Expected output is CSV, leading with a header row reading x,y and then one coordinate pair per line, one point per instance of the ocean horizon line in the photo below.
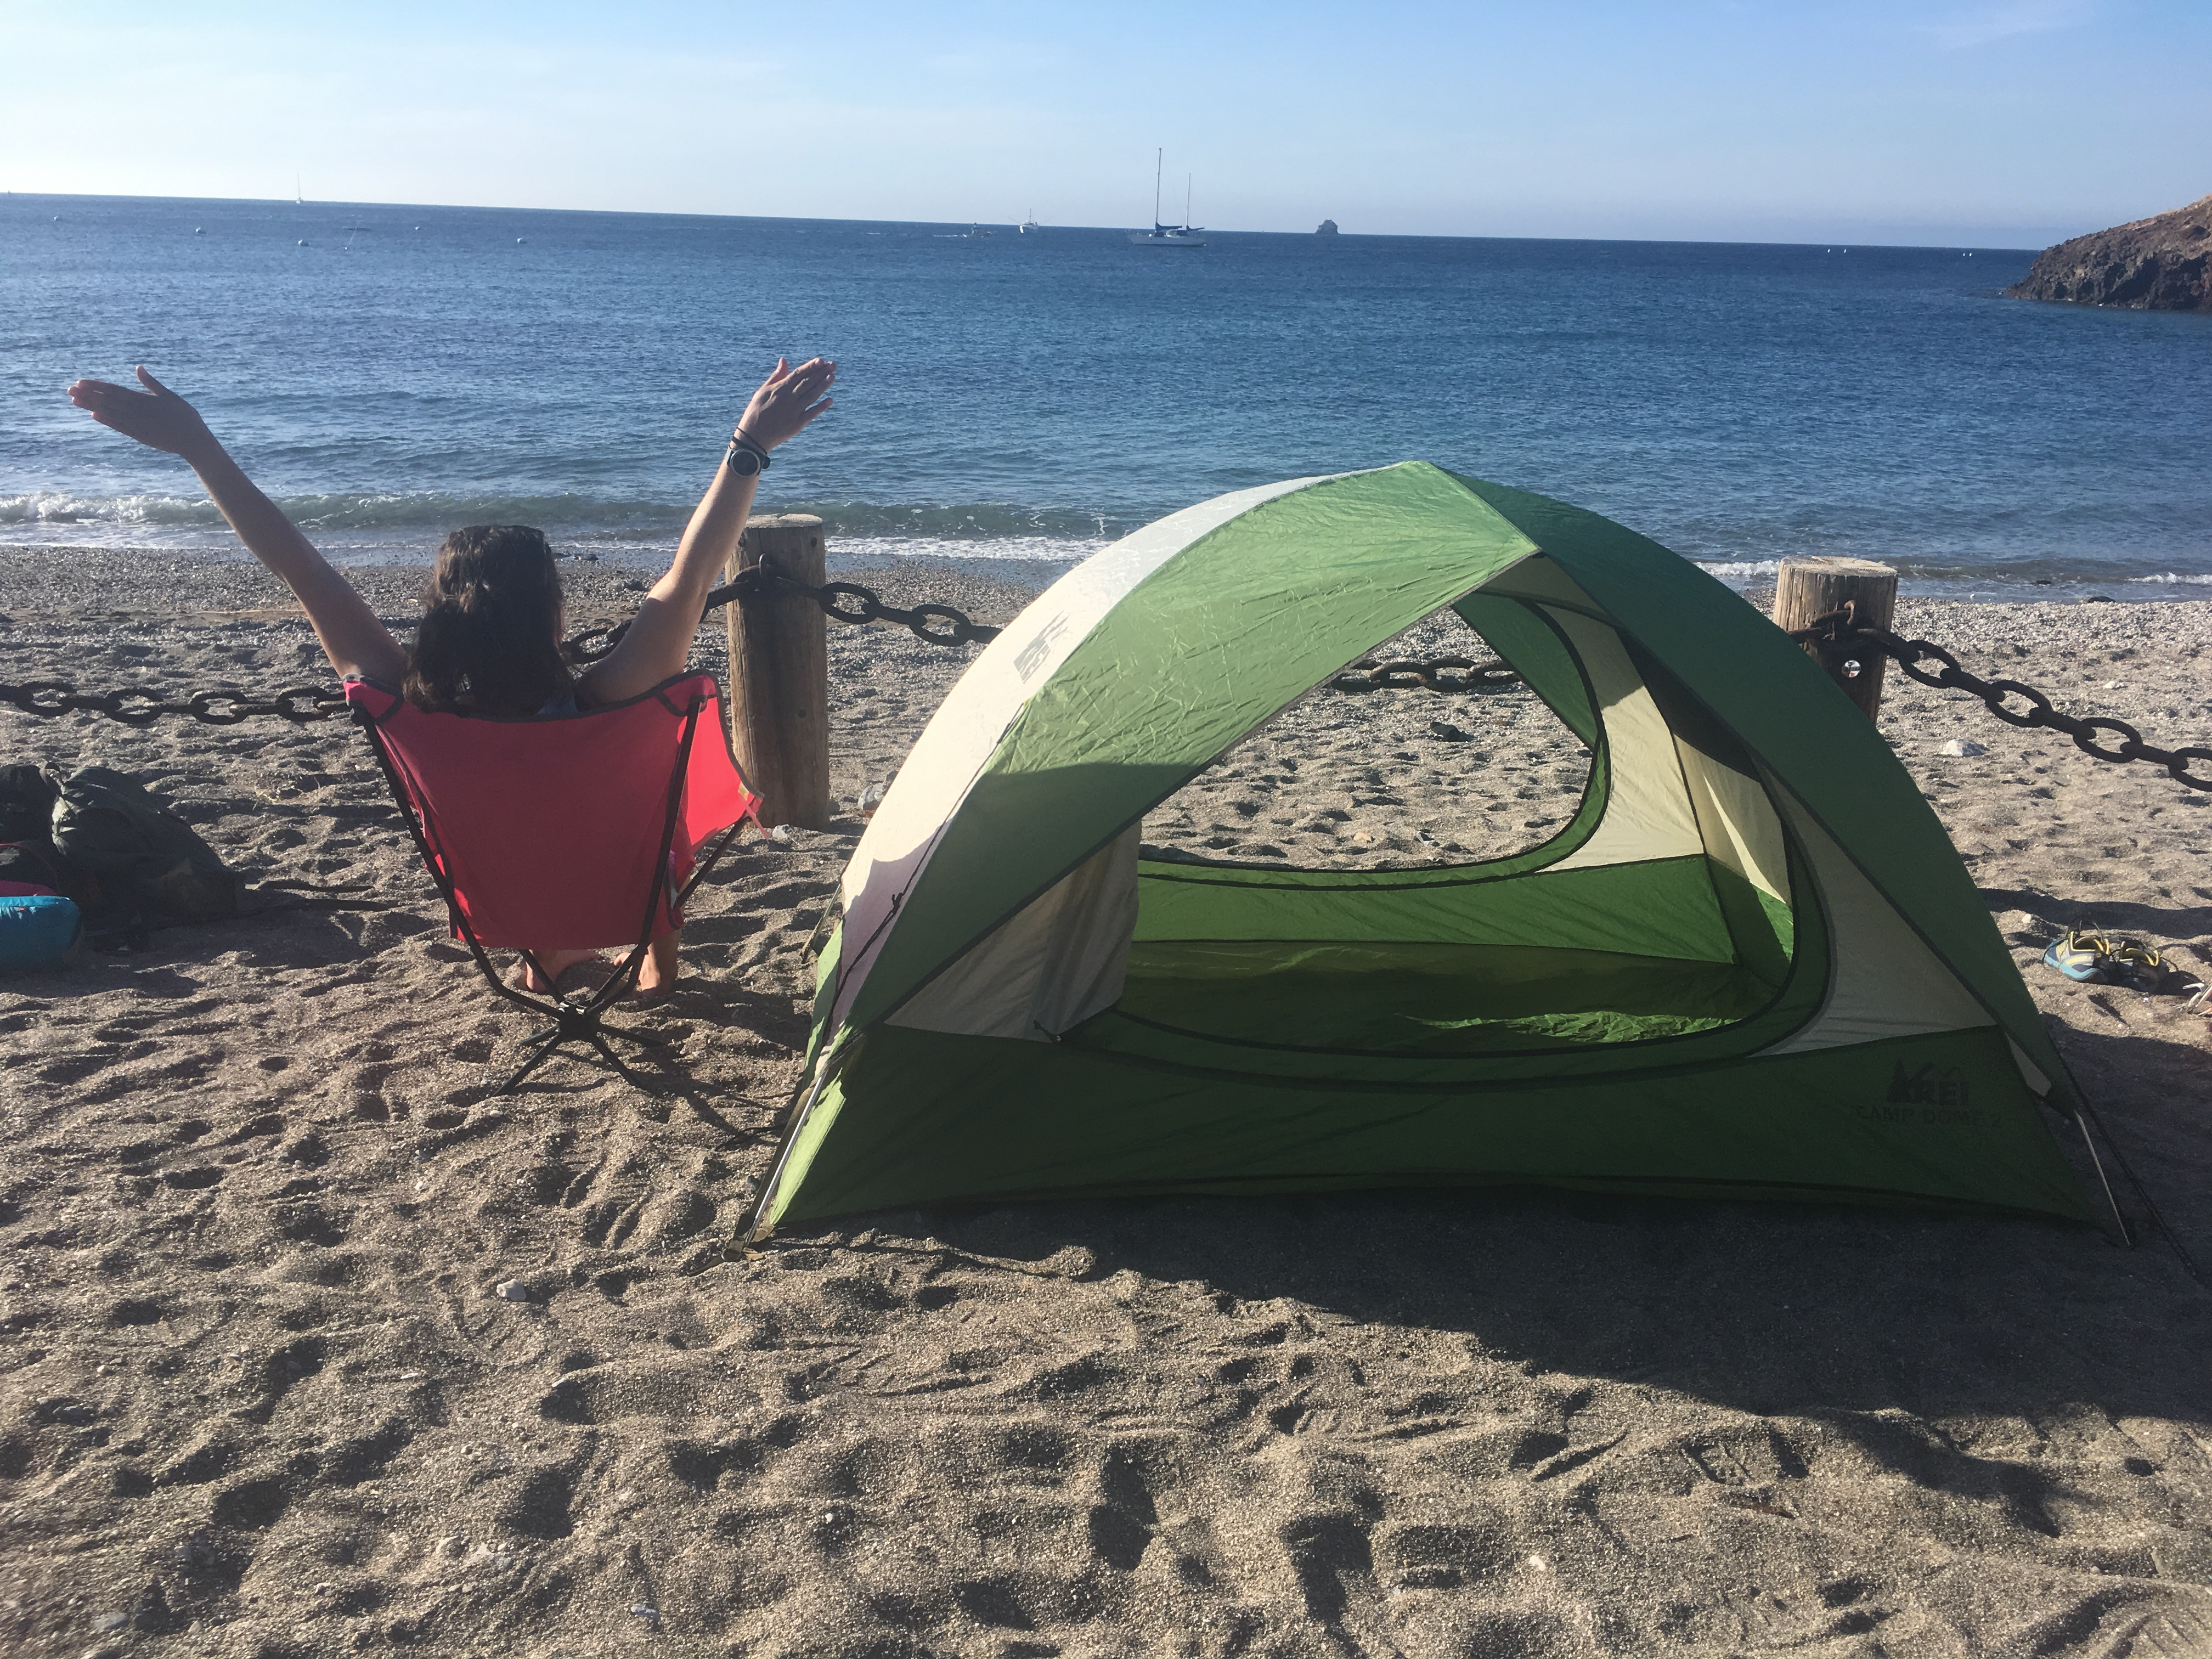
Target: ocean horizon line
x,y
836,222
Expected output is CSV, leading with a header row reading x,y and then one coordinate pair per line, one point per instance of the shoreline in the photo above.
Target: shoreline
x,y
258,1394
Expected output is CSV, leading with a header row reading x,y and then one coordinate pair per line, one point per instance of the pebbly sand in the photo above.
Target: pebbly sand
x,y
257,1399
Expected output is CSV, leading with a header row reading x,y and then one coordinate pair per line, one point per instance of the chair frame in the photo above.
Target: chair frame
x,y
581,1022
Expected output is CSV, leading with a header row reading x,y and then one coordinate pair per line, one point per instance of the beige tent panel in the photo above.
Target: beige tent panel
x,y
1883,981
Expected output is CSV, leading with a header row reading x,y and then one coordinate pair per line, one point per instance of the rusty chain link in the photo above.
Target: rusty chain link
x,y
1840,628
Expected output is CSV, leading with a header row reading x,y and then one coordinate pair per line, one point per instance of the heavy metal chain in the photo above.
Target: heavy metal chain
x,y
1438,674
844,602
141,705
848,602
942,624
1840,628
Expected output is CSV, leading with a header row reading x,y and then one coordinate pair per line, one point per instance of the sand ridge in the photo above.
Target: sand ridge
x,y
257,1396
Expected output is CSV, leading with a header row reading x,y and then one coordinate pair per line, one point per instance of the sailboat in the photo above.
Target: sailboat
x,y
1182,235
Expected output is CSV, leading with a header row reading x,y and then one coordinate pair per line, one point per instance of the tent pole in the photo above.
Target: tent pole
x,y
749,1230
2157,1216
2127,1233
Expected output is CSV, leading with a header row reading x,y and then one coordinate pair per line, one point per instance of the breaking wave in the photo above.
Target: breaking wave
x,y
404,527
409,521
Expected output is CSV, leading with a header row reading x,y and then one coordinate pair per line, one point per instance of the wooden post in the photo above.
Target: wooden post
x,y
1810,588
780,674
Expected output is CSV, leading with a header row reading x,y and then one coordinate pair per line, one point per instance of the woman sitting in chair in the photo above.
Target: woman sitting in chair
x,y
490,640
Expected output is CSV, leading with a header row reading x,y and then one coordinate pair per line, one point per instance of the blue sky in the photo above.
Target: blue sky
x,y
2003,122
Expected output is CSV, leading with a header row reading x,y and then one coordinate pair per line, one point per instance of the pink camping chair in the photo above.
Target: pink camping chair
x,y
564,831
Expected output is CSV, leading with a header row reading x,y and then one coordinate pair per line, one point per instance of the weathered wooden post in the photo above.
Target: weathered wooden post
x,y
1808,589
780,674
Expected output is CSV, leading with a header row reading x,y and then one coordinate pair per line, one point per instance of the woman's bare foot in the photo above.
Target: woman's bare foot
x,y
656,975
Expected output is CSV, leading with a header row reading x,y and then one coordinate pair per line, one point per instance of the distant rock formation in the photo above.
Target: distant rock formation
x,y
2163,263
1327,227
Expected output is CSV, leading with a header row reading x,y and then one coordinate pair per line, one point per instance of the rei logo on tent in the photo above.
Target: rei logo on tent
x,y
1034,653
1931,1085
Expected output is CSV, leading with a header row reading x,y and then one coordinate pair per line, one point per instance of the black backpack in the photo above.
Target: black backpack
x,y
146,862
26,847
27,803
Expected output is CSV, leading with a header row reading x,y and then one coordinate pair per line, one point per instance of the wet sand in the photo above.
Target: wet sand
x,y
256,1397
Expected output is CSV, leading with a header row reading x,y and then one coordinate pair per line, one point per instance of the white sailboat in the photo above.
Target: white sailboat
x,y
1185,234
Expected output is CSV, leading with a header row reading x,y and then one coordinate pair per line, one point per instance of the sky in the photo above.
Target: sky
x,y
1988,122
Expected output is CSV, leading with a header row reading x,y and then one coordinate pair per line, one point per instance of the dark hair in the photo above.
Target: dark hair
x,y
490,640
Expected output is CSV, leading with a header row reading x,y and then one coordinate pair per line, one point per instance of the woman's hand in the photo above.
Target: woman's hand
x,y
659,640
156,417
786,401
353,638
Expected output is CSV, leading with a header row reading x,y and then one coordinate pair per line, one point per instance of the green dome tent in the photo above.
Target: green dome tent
x,y
1751,965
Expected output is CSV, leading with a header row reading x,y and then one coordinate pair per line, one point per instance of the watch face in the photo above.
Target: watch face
x,y
743,462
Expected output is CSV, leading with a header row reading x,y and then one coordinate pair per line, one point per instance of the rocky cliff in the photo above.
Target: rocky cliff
x,y
2162,263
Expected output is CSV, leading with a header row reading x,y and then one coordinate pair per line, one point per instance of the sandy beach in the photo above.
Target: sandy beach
x,y
258,1398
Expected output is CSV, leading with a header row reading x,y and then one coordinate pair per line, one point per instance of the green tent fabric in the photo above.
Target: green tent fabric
x,y
1750,964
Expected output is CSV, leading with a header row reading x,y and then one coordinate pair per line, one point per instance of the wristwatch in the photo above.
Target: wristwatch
x,y
746,459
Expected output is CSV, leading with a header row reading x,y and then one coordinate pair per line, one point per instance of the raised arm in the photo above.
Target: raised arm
x,y
352,638
658,642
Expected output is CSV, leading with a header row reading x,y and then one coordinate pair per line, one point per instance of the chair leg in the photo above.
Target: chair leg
x,y
547,1044
540,1051
640,1085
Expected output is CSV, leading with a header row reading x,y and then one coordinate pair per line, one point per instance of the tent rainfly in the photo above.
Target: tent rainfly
x,y
1751,965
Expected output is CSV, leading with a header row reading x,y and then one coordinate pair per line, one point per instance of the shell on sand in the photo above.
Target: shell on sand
x,y
254,1207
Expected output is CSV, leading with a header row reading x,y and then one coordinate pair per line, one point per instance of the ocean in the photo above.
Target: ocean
x,y
387,372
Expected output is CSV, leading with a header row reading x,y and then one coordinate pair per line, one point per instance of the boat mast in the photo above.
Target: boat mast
x,y
1159,160
1186,201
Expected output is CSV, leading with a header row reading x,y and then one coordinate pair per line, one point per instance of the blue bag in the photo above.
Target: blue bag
x,y
35,929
